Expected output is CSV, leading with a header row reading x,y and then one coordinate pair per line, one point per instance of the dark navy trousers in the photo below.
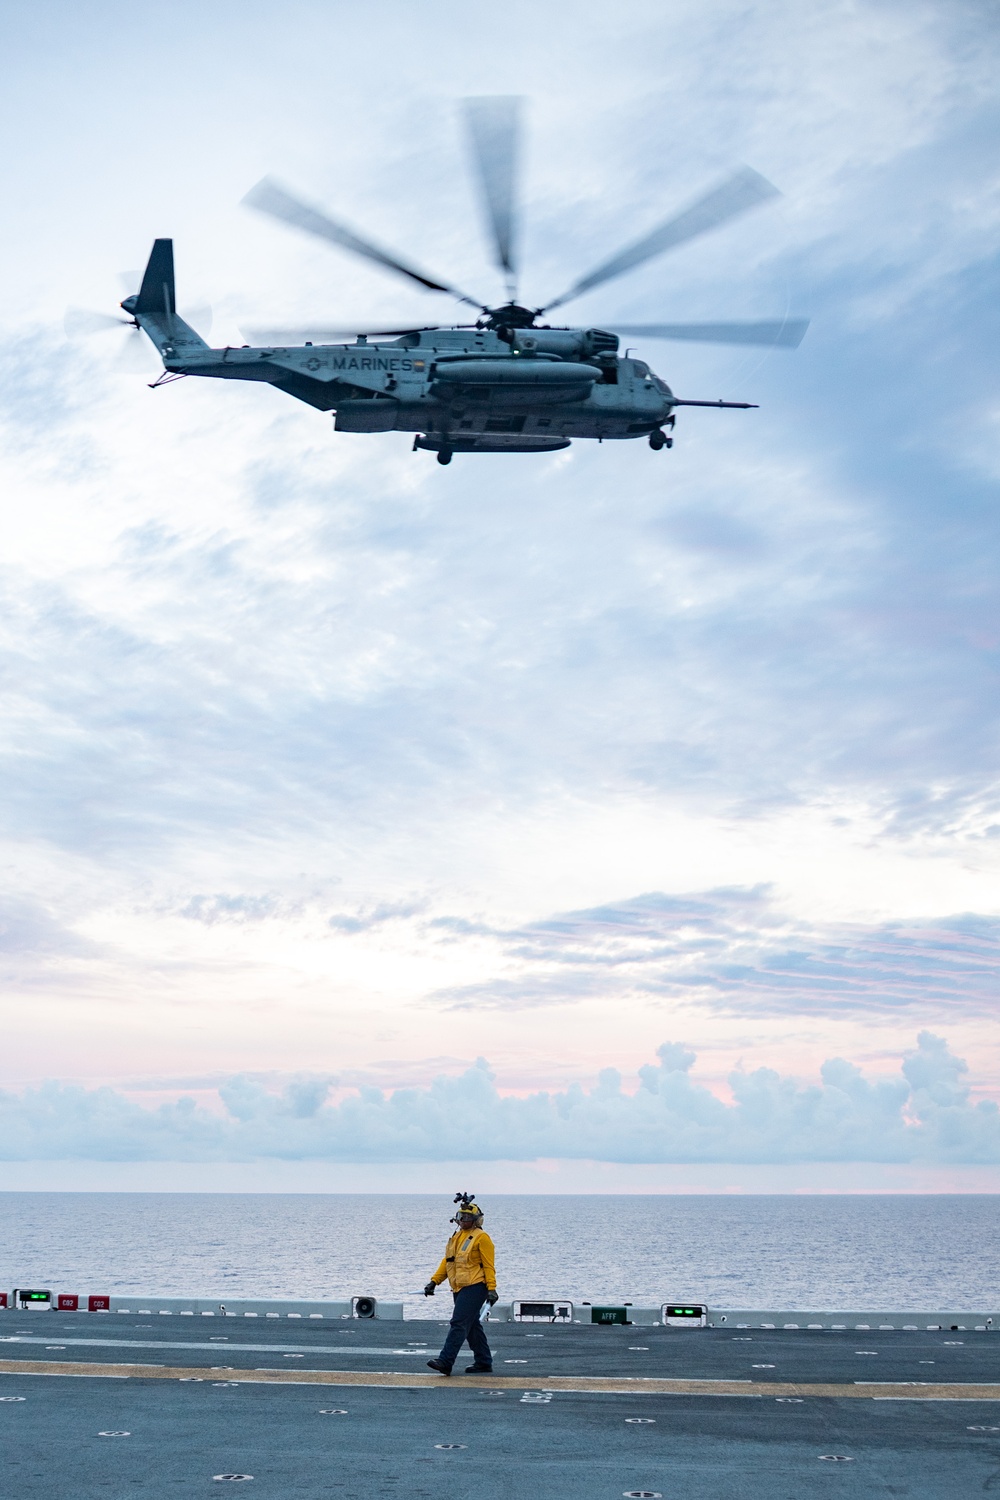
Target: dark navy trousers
x,y
465,1324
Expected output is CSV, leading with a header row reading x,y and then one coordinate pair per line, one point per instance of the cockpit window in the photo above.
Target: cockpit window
x,y
639,368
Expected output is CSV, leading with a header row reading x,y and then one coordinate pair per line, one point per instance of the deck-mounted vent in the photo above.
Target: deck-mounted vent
x,y
560,1311
364,1307
684,1315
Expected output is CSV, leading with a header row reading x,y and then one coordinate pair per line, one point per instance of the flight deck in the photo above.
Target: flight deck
x,y
124,1403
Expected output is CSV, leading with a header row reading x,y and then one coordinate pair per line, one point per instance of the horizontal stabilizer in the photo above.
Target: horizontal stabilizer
x,y
156,294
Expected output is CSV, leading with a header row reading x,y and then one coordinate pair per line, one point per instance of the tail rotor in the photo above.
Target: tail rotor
x,y
132,354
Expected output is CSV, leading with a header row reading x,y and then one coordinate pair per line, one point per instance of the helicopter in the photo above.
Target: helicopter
x,y
505,383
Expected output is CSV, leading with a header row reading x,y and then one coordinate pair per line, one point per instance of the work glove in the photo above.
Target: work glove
x,y
493,1298
429,1289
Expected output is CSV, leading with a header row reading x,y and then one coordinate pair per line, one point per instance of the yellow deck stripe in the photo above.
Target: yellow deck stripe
x,y
582,1384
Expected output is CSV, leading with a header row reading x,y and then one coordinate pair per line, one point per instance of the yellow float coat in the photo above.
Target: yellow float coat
x,y
468,1259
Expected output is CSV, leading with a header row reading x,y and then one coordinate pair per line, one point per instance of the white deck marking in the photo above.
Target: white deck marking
x,y
193,1344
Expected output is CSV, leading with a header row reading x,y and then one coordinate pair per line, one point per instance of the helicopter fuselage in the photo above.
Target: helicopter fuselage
x,y
459,390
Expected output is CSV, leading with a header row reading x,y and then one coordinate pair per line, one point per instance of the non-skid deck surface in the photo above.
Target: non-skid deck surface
x,y
584,1412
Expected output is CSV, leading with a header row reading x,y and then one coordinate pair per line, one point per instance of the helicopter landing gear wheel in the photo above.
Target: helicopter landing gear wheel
x,y
658,440
444,456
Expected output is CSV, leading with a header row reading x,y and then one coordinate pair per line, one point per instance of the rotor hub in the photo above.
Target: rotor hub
x,y
510,315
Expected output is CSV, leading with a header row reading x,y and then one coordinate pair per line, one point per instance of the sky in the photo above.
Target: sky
x,y
604,820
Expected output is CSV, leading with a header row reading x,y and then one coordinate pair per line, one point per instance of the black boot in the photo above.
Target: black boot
x,y
478,1369
436,1364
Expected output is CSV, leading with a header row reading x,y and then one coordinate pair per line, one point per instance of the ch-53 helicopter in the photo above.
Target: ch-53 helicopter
x,y
503,384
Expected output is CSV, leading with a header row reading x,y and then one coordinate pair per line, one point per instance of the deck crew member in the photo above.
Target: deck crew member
x,y
468,1265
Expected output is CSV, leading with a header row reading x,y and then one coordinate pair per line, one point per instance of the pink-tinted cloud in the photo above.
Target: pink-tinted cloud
x,y
924,1115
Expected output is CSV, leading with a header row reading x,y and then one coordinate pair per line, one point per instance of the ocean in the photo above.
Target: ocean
x,y
737,1251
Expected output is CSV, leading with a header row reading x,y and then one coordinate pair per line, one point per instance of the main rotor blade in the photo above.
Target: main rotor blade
x,y
494,125
269,197
293,337
745,190
780,333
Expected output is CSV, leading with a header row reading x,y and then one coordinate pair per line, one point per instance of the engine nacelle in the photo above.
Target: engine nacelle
x,y
567,343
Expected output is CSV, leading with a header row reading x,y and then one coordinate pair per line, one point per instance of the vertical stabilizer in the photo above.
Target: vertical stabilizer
x,y
156,294
154,308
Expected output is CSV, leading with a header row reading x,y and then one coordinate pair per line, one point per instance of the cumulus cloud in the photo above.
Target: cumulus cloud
x,y
924,1115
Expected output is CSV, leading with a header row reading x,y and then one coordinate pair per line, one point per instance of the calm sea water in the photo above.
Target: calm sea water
x,y
905,1252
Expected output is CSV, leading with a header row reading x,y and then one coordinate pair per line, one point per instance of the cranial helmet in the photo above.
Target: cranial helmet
x,y
467,1205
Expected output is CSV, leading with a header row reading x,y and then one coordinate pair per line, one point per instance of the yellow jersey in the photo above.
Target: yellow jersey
x,y
468,1259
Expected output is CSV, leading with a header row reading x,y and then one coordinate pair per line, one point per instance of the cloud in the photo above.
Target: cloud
x,y
280,629
243,658
732,952
28,929
737,950
368,919
924,1115
40,953
240,908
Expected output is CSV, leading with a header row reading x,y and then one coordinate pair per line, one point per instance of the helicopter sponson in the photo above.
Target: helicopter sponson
x,y
506,383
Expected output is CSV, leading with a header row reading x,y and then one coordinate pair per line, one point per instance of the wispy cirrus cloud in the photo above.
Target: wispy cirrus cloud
x,y
738,950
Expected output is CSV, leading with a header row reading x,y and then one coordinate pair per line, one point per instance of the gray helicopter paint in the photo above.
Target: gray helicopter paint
x,y
411,380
